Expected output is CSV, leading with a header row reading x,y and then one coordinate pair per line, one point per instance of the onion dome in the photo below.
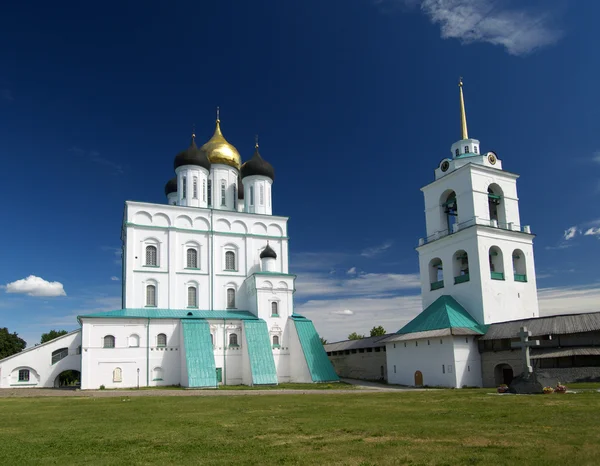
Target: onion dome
x,y
240,187
258,166
218,150
171,186
192,156
268,252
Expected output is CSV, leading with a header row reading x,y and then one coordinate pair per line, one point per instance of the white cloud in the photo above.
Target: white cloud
x,y
518,30
570,233
569,300
592,232
344,312
596,157
351,271
114,279
373,251
36,286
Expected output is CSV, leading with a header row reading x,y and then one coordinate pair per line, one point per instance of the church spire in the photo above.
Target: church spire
x,y
463,114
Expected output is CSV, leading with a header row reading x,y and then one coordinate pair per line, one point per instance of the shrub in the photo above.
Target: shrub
x,y
102,387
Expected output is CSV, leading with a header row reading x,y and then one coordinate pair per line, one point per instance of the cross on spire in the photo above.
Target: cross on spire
x,y
525,344
218,114
256,143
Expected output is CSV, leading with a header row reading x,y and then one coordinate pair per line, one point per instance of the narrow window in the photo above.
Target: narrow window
x,y
183,187
109,341
117,375
394,345
466,149
230,260
192,258
204,190
212,339
251,195
416,343
262,195
457,152
195,187
151,255
192,297
23,375
161,340
233,341
468,368
394,368
235,198
274,310
230,298
443,369
475,149
223,197
275,340
209,193
405,344
428,343
151,296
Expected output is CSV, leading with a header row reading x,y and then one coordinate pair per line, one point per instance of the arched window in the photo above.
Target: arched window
x,y
496,263
466,149
157,374
134,341
161,339
275,341
204,190
496,206
192,296
183,187
195,188
109,341
230,260
450,207
475,149
251,195
457,152
209,193
223,196
212,339
59,354
233,340
262,194
519,266
151,255
117,375
230,298
274,309
151,296
192,258
436,274
461,267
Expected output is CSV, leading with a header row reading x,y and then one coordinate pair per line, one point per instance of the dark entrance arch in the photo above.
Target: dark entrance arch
x,y
503,373
68,379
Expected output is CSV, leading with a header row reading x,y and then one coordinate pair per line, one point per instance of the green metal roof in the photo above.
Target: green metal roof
x,y
444,312
318,363
154,313
199,354
260,352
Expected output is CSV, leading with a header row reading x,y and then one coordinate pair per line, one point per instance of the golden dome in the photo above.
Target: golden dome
x,y
218,150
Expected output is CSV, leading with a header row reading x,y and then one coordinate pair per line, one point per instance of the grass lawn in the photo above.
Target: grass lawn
x,y
437,427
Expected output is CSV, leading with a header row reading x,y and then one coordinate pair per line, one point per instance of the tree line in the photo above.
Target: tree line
x,y
375,332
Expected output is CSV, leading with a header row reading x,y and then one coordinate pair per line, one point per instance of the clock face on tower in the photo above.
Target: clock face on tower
x,y
492,159
445,165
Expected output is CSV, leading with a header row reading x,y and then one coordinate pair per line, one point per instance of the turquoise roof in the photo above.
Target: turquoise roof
x,y
318,363
444,312
260,352
199,354
154,313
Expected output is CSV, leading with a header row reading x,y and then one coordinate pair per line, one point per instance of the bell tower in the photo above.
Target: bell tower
x,y
476,249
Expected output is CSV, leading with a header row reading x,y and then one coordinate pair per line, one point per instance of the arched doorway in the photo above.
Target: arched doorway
x,y
68,379
418,379
503,373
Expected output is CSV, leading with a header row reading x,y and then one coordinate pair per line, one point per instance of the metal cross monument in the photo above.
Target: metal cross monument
x,y
525,344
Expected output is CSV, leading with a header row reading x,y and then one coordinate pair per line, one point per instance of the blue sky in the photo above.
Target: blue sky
x,y
355,102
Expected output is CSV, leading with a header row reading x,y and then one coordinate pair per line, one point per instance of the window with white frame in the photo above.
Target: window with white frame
x,y
192,296
151,295
161,340
276,341
183,187
117,375
230,298
134,341
274,308
108,341
151,256
262,194
233,339
209,193
251,195
195,188
230,260
223,194
192,258
23,375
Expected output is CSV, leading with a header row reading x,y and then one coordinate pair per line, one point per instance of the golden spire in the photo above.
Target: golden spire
x,y
463,114
218,150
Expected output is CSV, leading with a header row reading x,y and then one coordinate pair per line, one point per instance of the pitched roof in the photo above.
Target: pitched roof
x,y
367,342
444,313
153,313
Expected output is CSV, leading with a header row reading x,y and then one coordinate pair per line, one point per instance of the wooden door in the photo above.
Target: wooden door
x,y
418,379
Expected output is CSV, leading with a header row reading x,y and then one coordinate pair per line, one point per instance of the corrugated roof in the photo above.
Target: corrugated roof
x,y
260,352
154,313
543,353
551,325
199,354
318,363
368,342
444,312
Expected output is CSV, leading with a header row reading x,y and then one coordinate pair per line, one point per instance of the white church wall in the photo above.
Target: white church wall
x,y
481,180
299,372
467,362
38,360
435,361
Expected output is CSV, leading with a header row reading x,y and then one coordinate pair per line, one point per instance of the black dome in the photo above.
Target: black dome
x,y
171,186
257,166
240,188
268,252
192,156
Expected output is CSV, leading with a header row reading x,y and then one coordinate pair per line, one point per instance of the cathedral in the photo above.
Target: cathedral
x,y
207,296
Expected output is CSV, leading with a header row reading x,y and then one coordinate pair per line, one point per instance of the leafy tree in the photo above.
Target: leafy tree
x,y
355,336
10,343
323,341
52,334
377,331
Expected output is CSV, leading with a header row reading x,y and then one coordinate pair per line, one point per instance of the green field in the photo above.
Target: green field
x,y
436,427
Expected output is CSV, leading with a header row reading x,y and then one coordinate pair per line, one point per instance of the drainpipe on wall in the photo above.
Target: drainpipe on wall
x,y
224,353
211,274
148,353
